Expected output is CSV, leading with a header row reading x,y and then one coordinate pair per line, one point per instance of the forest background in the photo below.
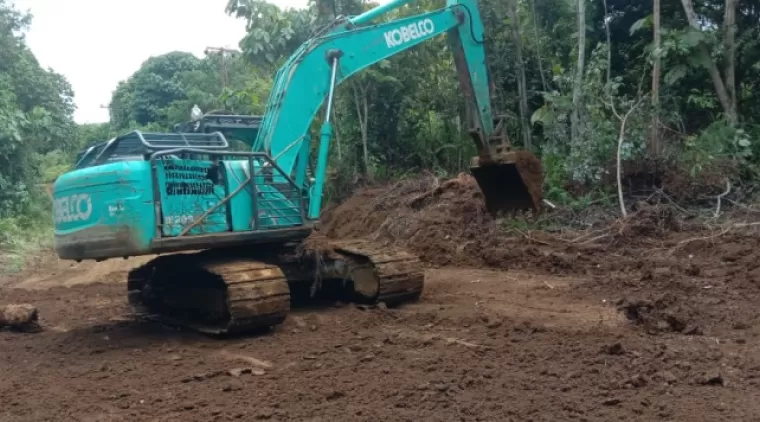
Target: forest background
x,y
665,86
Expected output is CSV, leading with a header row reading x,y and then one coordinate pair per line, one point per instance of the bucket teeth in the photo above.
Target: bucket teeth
x,y
512,182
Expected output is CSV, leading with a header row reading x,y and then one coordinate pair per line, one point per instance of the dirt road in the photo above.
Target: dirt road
x,y
481,345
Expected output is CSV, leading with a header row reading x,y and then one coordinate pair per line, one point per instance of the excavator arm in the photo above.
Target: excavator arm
x,y
312,73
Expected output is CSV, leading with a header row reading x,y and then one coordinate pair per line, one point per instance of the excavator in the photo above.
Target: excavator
x,y
231,229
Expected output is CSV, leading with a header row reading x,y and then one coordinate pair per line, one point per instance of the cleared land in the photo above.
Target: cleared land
x,y
647,319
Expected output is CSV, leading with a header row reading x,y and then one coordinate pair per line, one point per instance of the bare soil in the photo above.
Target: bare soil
x,y
652,318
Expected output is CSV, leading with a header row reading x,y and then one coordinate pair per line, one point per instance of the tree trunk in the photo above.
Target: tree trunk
x,y
609,46
360,101
655,146
729,44
575,117
521,78
712,68
364,132
538,46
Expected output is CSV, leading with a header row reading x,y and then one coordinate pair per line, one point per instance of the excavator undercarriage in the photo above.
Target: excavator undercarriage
x,y
234,291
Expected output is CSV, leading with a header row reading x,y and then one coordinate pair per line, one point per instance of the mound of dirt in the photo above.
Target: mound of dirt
x,y
444,222
666,264
683,183
702,186
664,314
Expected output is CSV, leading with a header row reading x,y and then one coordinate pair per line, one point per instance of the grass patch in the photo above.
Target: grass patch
x,y
20,240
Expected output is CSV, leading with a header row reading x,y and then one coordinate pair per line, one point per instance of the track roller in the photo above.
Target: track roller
x,y
380,274
213,295
228,292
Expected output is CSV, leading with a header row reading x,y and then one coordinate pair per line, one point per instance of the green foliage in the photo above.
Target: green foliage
x,y
273,33
159,82
25,234
36,108
165,89
406,113
720,141
37,136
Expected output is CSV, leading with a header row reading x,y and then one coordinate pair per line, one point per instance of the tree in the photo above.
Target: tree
x,y
36,114
725,90
563,63
579,72
273,33
522,89
144,96
654,143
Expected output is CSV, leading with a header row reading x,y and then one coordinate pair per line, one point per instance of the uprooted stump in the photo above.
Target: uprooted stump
x,y
20,317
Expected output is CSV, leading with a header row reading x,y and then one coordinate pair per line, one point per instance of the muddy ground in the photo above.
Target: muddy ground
x,y
652,318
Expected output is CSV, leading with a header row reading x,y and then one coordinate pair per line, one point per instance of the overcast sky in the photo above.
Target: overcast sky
x,y
97,43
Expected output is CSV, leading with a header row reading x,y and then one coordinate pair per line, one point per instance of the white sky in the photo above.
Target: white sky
x,y
97,43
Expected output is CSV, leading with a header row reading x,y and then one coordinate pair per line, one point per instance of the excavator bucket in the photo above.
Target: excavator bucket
x,y
511,181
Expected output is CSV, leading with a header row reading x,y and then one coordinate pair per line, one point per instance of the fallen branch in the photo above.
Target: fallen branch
x,y
414,334
531,239
454,340
740,205
695,239
714,236
583,238
672,202
719,197
244,358
740,225
552,206
600,237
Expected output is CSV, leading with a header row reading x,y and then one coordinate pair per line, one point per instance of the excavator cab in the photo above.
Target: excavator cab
x,y
234,127
511,181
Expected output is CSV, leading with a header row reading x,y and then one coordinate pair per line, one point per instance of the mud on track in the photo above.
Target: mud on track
x,y
645,323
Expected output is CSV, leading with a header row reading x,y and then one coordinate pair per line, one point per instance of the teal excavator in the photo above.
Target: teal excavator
x,y
232,228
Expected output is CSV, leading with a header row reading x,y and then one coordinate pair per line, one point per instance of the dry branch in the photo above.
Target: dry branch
x,y
621,139
719,197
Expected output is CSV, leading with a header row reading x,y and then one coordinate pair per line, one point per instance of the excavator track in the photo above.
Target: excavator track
x,y
212,295
221,292
381,274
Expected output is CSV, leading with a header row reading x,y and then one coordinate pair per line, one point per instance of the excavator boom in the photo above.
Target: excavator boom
x,y
313,72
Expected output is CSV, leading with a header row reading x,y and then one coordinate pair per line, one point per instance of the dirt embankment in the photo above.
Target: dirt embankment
x,y
445,222
668,271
